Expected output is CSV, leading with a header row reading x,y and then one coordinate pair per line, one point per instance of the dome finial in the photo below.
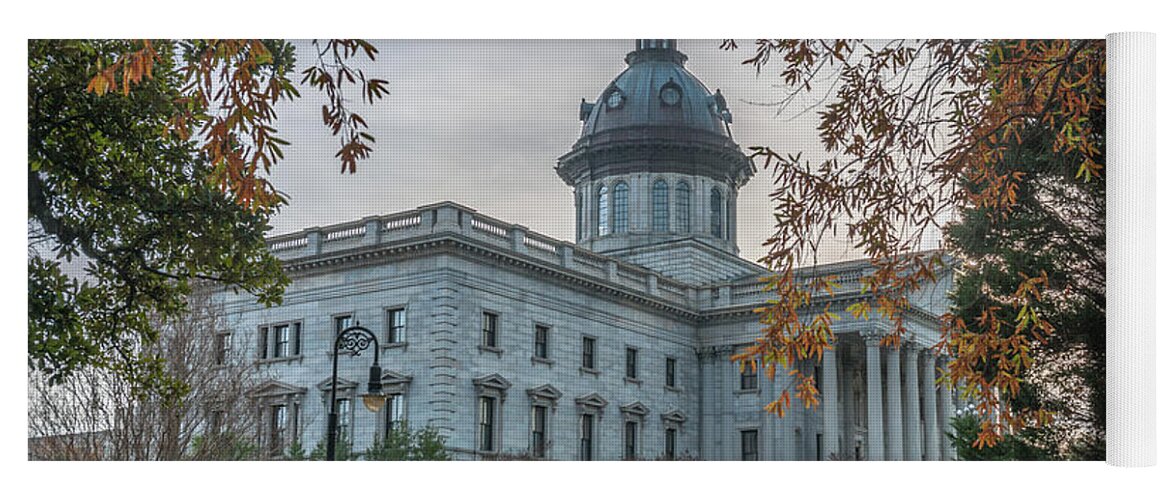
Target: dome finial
x,y
655,50
654,44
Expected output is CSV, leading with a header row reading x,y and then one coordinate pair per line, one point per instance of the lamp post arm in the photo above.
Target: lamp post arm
x,y
356,338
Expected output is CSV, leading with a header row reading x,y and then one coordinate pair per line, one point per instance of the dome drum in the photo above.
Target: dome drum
x,y
656,156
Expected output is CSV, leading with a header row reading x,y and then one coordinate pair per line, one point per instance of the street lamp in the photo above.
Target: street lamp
x,y
354,339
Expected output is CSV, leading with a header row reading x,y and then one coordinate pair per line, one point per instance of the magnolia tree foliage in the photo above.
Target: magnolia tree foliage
x,y
917,131
148,162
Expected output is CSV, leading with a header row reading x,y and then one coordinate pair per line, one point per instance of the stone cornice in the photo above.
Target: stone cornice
x,y
455,242
449,228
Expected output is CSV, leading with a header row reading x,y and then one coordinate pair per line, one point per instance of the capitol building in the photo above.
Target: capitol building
x,y
614,346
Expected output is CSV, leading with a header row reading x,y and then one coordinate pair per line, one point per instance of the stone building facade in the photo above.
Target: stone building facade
x,y
611,347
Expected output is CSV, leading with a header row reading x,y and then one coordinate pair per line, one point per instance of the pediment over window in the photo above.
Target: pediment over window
x,y
635,409
391,377
544,393
591,401
674,417
342,385
275,388
493,382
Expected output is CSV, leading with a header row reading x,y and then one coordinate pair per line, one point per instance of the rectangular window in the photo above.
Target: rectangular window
x,y
222,346
539,429
343,419
278,424
541,342
397,329
669,444
216,422
488,339
395,414
276,341
670,372
748,449
341,323
587,353
631,363
586,448
630,441
280,348
487,424
748,377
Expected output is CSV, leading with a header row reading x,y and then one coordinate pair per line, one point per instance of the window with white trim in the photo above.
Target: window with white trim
x,y
717,213
587,352
748,379
748,445
279,341
488,332
487,424
541,342
683,207
621,203
602,211
396,325
539,432
223,346
342,322
630,440
660,218
586,437
344,416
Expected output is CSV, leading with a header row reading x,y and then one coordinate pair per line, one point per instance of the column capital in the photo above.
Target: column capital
x,y
872,337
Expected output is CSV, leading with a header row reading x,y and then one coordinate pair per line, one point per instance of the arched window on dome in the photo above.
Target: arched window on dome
x,y
580,227
683,207
660,219
602,211
621,201
731,207
717,205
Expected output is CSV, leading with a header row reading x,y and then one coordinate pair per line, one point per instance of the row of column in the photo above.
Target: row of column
x,y
894,430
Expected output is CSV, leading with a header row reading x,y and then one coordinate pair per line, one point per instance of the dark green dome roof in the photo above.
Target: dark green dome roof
x,y
656,91
655,117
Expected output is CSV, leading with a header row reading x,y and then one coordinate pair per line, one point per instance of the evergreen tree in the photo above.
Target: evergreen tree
x,y
1057,227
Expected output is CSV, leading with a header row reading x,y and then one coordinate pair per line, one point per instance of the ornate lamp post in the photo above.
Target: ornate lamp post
x,y
354,339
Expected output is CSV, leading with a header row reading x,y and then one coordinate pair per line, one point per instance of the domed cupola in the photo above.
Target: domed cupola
x,y
655,161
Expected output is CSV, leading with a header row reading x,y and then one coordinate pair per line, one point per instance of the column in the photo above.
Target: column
x,y
914,433
833,422
930,407
949,411
874,446
894,406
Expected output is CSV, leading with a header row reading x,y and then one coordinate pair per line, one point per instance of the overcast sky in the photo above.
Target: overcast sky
x,y
483,122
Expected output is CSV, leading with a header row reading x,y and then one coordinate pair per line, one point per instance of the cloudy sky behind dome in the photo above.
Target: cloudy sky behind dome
x,y
482,123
